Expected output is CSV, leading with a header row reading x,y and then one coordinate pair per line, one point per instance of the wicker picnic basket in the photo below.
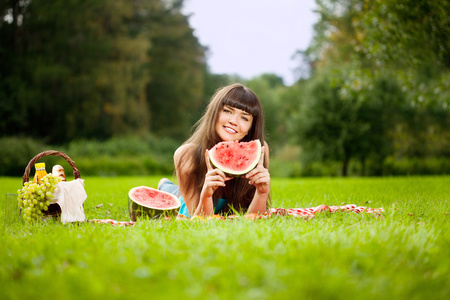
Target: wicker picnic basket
x,y
54,209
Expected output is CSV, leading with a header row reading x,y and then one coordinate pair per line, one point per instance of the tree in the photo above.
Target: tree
x,y
412,38
326,128
405,32
340,123
389,60
74,69
175,89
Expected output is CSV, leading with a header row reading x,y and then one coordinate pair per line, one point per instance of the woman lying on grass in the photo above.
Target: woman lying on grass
x,y
234,113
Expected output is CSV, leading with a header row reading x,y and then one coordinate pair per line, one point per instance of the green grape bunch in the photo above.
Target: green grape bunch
x,y
34,198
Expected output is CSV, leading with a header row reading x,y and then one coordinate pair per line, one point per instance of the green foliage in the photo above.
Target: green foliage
x,y
286,162
77,71
15,153
124,156
416,166
124,165
374,91
268,87
113,157
129,145
405,33
81,69
404,254
345,117
174,93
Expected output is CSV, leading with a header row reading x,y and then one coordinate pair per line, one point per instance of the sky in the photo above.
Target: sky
x,y
252,37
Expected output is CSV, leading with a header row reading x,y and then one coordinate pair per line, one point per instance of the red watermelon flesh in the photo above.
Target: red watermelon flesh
x,y
151,202
234,157
153,198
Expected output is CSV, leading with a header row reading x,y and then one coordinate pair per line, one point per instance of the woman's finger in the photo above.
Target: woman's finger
x,y
260,180
216,174
258,169
256,179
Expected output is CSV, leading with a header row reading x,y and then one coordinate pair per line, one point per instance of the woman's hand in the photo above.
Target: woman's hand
x,y
260,176
213,178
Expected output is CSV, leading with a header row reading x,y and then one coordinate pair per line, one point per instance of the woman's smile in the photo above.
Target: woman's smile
x,y
229,130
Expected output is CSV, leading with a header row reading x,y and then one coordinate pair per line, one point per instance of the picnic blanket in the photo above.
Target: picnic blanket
x,y
307,213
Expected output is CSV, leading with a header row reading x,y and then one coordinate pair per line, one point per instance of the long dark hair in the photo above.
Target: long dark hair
x,y
238,192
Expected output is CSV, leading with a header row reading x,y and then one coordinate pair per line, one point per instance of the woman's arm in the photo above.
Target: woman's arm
x,y
260,178
198,202
212,181
183,161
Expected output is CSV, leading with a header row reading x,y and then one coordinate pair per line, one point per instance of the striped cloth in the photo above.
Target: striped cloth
x,y
306,213
300,212
112,222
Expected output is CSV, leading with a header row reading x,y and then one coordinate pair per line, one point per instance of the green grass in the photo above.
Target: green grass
x,y
403,255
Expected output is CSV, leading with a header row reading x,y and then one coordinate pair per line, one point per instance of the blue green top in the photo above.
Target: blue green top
x,y
221,203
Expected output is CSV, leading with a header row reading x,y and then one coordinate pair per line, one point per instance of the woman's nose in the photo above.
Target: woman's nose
x,y
232,120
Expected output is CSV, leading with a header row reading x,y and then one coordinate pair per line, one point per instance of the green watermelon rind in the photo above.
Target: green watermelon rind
x,y
230,172
139,210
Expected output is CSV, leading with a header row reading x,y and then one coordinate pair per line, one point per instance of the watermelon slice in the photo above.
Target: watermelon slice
x,y
143,200
236,158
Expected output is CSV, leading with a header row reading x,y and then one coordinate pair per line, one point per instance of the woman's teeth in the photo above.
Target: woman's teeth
x,y
230,130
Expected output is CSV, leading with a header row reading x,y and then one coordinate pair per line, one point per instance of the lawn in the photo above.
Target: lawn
x,y
402,254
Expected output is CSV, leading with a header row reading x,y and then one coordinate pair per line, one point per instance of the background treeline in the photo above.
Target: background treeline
x,y
117,85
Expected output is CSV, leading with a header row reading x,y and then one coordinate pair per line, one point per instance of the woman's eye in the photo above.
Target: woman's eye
x,y
245,119
227,110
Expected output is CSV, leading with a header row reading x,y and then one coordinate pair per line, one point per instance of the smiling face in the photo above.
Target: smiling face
x,y
233,123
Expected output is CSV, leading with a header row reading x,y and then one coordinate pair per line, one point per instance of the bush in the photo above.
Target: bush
x,y
285,161
151,156
124,156
125,146
114,157
316,169
123,165
15,153
417,166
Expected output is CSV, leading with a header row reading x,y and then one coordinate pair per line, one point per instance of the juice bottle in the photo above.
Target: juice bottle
x,y
40,172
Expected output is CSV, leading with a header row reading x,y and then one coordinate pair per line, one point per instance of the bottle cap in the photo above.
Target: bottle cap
x,y
39,165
